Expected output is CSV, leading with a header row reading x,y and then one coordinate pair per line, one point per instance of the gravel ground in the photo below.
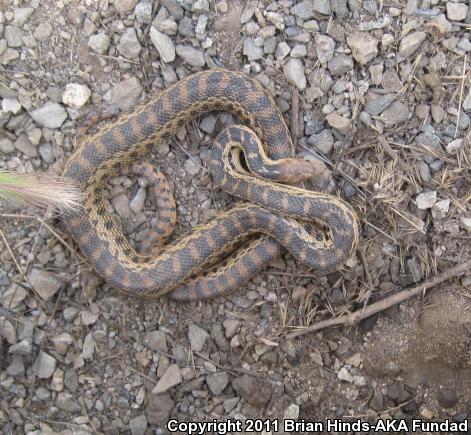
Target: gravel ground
x,y
379,91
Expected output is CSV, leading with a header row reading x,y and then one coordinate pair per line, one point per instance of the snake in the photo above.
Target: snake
x,y
253,161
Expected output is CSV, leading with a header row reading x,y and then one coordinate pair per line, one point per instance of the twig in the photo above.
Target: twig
x,y
358,315
461,96
369,281
117,59
232,370
23,274
295,116
54,233
372,414
143,375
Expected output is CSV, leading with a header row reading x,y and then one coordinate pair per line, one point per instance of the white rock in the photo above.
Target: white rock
x,y
456,11
426,200
440,209
291,412
76,95
466,221
344,375
454,146
11,105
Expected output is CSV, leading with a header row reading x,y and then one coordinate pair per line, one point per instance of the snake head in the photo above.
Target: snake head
x,y
293,171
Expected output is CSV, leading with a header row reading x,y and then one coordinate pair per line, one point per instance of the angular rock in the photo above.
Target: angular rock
x,y
304,10
254,391
6,146
325,46
447,397
364,47
143,11
163,44
396,113
45,283
44,365
23,347
43,31
99,42
171,377
322,6
340,65
190,55
50,115
67,402
13,296
339,122
125,94
138,425
129,45
376,106
197,337
159,409
156,340
124,6
22,15
13,36
410,43
456,11
251,50
426,200
248,11
217,382
24,145
294,72
11,105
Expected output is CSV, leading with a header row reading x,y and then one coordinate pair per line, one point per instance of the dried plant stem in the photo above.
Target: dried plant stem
x,y
40,190
461,95
357,316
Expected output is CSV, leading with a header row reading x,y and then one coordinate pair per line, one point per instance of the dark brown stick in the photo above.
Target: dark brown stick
x,y
361,314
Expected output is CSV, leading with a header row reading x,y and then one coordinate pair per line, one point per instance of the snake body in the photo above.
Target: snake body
x,y
276,216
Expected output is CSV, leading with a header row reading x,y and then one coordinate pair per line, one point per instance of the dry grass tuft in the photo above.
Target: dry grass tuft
x,y
40,190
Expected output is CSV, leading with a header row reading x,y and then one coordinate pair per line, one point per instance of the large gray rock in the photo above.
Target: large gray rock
x,y
50,115
45,283
163,44
294,72
125,94
190,55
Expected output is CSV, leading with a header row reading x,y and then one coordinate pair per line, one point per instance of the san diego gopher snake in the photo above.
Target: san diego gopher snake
x,y
276,216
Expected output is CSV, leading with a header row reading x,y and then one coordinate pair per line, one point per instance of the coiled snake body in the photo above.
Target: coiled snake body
x,y
245,161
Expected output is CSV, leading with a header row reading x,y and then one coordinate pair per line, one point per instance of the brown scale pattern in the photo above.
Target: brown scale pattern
x,y
284,214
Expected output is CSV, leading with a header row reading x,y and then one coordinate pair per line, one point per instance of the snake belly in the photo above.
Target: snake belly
x,y
180,266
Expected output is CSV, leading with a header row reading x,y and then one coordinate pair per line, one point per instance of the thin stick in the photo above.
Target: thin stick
x,y
369,281
54,233
358,315
232,370
23,274
461,96
295,116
